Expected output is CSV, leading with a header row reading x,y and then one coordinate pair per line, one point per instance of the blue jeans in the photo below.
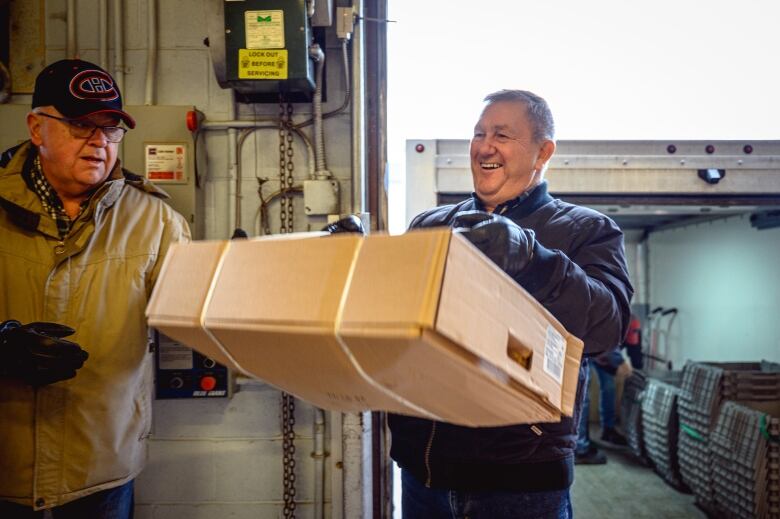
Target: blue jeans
x,y
114,503
606,405
419,502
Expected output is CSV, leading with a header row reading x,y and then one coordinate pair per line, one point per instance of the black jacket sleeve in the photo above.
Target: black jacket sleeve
x,y
585,287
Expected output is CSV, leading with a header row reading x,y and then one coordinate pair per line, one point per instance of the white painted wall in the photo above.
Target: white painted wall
x,y
221,457
724,278
632,243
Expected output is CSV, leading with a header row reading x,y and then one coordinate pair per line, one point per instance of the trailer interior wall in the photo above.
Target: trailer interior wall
x,y
724,278
632,242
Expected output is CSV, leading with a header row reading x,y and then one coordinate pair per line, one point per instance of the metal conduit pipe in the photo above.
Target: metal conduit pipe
x,y
151,51
296,131
234,138
352,433
319,463
103,33
224,125
336,466
233,205
239,178
358,117
71,51
320,170
244,134
119,51
347,85
309,149
232,149
235,147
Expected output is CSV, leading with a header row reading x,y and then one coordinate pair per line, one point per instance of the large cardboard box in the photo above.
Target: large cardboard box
x,y
420,324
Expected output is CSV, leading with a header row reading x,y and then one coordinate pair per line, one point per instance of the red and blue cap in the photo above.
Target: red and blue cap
x,y
77,89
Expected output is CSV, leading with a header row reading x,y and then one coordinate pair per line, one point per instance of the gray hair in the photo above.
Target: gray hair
x,y
536,107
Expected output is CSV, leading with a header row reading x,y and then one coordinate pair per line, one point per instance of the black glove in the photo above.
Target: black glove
x,y
37,353
239,233
349,223
509,246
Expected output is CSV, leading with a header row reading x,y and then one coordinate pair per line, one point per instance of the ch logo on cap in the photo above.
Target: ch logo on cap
x,y
94,85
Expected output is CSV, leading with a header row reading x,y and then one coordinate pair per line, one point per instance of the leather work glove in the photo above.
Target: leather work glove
x,y
37,354
349,223
509,246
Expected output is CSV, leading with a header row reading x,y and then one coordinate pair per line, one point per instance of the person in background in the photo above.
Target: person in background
x,y
571,260
81,244
607,366
633,343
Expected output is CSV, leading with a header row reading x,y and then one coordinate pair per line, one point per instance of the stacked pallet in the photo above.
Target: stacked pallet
x,y
745,446
631,413
705,387
660,429
631,406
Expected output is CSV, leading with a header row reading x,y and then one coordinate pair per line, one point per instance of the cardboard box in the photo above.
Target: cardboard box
x,y
420,324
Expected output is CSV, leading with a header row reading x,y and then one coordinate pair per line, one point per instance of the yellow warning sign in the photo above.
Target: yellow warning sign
x,y
262,64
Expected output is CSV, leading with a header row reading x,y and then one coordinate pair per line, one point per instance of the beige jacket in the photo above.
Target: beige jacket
x,y
72,438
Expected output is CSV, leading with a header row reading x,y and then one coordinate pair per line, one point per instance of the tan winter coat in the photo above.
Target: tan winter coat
x,y
72,438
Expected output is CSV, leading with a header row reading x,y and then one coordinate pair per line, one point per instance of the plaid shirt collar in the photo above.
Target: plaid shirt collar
x,y
52,204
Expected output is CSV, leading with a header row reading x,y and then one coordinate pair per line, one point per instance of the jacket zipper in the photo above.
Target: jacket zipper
x,y
428,454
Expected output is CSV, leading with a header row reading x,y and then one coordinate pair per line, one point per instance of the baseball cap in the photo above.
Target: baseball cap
x,y
79,88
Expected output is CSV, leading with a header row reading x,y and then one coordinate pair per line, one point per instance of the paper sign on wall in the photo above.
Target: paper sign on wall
x,y
264,29
165,162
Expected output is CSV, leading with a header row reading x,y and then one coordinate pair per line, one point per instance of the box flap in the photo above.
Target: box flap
x,y
181,290
396,282
314,367
190,266
277,283
447,380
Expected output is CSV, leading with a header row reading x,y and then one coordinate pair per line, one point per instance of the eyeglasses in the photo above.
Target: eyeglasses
x,y
81,129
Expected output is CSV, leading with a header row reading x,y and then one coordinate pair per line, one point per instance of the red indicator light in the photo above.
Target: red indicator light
x,y
208,383
192,121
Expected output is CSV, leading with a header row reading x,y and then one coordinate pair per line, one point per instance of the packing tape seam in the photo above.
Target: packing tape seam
x,y
207,302
348,352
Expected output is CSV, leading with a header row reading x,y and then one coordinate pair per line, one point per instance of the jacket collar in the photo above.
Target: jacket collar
x,y
522,205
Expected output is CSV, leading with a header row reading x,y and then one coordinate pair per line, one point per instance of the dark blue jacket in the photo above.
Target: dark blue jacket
x,y
579,274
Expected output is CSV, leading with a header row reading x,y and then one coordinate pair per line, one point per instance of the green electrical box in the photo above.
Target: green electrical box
x,y
263,50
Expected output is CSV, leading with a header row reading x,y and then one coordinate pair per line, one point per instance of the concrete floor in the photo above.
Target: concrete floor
x,y
623,488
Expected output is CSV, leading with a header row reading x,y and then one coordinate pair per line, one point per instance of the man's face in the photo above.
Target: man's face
x,y
74,166
505,159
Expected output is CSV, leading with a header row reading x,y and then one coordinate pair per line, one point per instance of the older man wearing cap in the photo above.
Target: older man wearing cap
x,y
81,244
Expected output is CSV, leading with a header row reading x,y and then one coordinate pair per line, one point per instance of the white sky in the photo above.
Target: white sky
x,y
610,69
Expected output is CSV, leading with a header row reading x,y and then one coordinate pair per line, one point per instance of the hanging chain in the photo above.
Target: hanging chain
x,y
288,453
286,169
286,166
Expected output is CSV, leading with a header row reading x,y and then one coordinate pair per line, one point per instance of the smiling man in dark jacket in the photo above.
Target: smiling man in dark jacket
x,y
571,260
